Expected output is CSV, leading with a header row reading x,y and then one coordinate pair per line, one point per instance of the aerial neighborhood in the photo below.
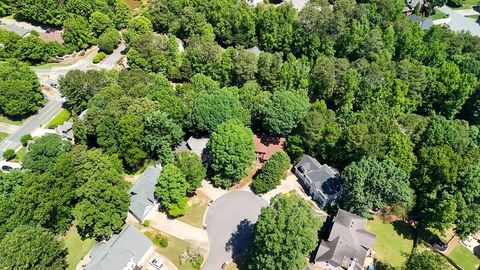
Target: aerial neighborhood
x,y
240,134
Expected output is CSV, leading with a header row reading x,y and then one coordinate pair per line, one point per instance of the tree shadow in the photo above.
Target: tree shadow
x,y
404,229
240,240
476,251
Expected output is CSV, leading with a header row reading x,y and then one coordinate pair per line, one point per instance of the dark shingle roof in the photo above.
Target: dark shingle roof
x,y
143,191
324,177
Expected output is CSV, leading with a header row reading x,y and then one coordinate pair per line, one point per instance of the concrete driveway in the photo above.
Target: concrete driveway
x,y
229,225
458,21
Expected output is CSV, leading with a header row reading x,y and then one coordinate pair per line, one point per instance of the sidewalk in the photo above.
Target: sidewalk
x,y
173,227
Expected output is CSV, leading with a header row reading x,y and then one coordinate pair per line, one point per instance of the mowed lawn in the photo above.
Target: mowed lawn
x,y
464,258
394,241
59,119
3,135
76,247
194,216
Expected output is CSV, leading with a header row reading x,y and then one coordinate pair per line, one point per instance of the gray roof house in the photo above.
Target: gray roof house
x,y
143,193
124,251
425,23
410,5
15,29
65,130
349,245
322,181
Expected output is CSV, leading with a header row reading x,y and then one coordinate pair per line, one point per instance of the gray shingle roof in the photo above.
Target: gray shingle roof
x,y
118,250
197,145
143,191
348,240
324,177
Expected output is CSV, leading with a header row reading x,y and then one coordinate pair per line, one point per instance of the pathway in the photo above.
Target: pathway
x,y
181,230
458,22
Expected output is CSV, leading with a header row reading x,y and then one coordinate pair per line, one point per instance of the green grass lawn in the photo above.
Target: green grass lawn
x,y
475,17
59,119
175,247
21,154
439,15
468,4
76,247
4,119
394,240
196,212
3,135
464,258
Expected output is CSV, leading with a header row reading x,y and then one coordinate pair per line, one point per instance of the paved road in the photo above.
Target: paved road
x,y
459,22
229,226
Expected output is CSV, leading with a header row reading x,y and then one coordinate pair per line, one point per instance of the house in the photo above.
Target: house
x,y
349,245
425,23
128,250
266,146
143,193
65,130
197,146
15,29
410,6
322,181
253,2
255,50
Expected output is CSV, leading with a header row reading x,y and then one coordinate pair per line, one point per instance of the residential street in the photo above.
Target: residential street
x,y
459,22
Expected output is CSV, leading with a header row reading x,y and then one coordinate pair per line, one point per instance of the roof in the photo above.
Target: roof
x,y
197,145
268,145
118,250
143,191
52,36
255,50
425,23
413,3
299,4
348,242
323,177
65,127
15,29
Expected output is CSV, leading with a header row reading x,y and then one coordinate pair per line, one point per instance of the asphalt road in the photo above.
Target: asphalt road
x,y
229,226
458,22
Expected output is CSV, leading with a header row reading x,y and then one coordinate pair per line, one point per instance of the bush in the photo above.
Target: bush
x,y
163,242
25,138
160,240
108,41
146,223
99,57
9,154
192,255
272,172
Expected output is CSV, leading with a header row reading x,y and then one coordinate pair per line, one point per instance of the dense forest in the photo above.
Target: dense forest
x,y
353,83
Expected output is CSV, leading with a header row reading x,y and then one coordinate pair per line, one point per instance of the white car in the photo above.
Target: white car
x,y
157,263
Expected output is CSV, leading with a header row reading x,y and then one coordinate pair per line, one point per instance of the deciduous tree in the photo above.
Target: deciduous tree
x,y
172,191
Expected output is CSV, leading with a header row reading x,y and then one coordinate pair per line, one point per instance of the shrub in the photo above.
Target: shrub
x,y
108,41
99,57
193,255
146,223
160,240
9,154
272,172
163,242
25,138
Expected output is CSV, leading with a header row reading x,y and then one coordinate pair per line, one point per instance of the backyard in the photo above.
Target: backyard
x,y
76,247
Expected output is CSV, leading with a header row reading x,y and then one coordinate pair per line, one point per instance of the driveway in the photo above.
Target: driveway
x,y
229,225
459,22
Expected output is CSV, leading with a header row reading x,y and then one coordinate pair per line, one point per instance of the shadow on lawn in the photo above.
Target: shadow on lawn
x,y
404,229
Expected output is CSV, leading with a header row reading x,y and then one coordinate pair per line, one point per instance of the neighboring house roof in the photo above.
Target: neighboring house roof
x,y
348,244
255,50
197,145
299,4
115,253
15,29
52,36
266,146
143,192
413,3
323,177
65,130
425,23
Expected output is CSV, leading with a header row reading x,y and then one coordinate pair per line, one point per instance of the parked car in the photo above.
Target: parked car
x,y
439,245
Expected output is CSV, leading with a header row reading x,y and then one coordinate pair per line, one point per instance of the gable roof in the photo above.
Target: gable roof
x,y
323,177
425,23
118,250
143,191
348,242
197,145
15,29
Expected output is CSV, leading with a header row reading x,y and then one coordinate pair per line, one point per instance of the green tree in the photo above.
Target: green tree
x,y
108,40
77,33
370,184
137,27
102,194
193,23
20,93
29,247
231,151
43,152
287,220
83,8
25,138
245,66
122,14
283,112
191,166
161,134
272,172
40,11
425,260
172,191
100,22
9,154
131,146
212,109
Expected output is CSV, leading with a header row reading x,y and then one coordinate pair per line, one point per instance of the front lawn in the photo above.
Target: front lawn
x,y
475,17
59,119
4,119
3,135
194,216
394,240
439,15
464,258
77,248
